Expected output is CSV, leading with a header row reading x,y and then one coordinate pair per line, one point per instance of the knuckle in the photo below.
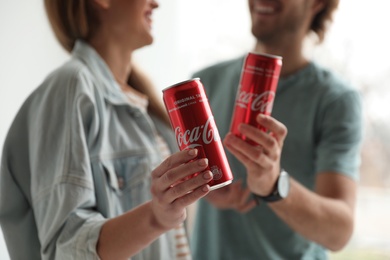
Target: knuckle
x,y
259,156
283,131
153,190
154,174
263,162
168,178
271,167
176,191
257,153
271,142
168,163
178,204
196,180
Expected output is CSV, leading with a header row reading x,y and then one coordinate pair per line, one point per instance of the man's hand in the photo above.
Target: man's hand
x,y
233,196
263,161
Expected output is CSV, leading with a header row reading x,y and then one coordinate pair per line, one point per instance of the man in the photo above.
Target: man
x,y
304,181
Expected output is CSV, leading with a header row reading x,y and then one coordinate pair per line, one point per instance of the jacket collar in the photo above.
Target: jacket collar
x,y
105,80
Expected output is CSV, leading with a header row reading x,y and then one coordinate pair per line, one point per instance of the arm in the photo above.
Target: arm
x,y
126,235
324,216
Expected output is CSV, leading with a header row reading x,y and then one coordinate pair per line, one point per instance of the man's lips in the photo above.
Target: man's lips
x,y
265,7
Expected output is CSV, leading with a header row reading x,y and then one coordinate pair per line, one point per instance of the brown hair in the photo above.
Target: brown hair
x,y
76,19
141,82
71,20
323,18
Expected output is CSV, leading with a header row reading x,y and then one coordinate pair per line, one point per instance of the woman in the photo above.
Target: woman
x,y
83,174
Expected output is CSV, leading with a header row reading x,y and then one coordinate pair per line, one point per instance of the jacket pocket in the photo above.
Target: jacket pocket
x,y
129,179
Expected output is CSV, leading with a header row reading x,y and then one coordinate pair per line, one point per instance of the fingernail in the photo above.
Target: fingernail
x,y
203,162
193,152
207,175
206,188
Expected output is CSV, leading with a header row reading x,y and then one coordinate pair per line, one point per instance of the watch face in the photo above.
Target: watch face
x,y
283,184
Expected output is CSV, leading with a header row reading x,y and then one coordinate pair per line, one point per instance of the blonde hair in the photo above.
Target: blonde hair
x,y
323,18
71,20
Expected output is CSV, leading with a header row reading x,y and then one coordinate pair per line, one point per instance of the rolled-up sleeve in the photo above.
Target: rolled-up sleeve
x,y
62,183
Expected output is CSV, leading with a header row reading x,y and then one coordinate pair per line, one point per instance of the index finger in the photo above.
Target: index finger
x,y
174,160
278,129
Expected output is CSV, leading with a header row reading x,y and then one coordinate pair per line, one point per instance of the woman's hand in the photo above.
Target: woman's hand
x,y
173,188
233,196
263,161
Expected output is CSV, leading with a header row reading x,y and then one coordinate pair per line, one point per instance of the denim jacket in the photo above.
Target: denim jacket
x,y
76,154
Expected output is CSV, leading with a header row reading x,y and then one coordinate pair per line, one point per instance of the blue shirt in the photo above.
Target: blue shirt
x,y
76,154
323,117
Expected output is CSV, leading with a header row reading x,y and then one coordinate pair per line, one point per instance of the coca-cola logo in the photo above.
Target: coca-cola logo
x,y
190,137
260,102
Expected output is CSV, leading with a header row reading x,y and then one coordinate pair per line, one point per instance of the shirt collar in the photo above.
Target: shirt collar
x,y
296,78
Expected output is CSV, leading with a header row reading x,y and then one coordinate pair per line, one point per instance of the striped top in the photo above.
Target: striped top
x,y
141,101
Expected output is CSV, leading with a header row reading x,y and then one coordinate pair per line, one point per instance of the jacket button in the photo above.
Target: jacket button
x,y
136,114
121,183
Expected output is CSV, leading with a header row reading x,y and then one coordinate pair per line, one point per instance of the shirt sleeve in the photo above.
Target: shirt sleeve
x,y
62,187
338,148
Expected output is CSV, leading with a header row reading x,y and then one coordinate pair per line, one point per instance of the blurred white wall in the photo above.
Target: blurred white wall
x,y
189,34
193,33
28,52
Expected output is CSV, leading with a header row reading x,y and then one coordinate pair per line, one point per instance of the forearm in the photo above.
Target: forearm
x,y
126,235
326,221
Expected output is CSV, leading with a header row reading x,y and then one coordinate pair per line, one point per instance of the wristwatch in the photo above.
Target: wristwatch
x,y
281,190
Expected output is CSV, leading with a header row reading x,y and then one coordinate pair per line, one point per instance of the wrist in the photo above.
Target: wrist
x,y
280,190
155,222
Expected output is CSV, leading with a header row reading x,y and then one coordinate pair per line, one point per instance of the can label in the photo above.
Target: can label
x,y
194,127
256,92
190,138
261,103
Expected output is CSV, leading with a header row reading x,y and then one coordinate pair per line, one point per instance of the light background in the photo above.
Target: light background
x,y
191,34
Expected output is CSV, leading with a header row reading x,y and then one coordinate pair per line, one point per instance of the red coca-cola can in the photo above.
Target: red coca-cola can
x,y
256,92
194,126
